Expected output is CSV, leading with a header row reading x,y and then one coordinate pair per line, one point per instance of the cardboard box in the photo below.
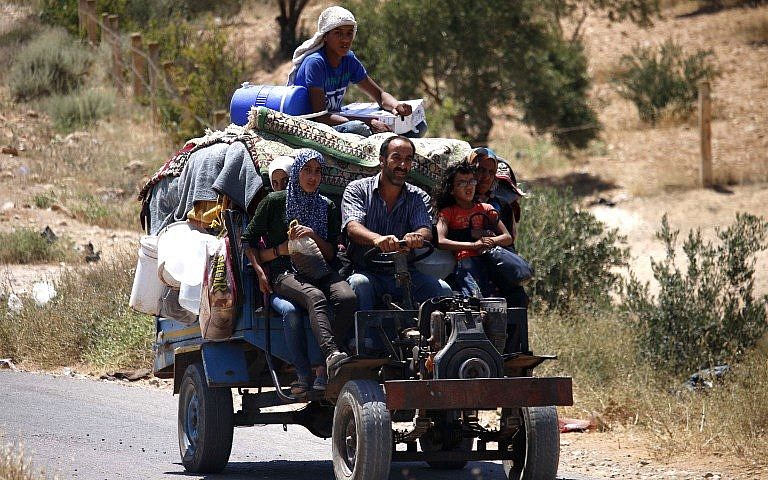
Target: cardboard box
x,y
365,111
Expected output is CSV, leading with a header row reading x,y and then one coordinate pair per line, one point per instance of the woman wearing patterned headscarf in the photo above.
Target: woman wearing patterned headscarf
x,y
318,218
325,65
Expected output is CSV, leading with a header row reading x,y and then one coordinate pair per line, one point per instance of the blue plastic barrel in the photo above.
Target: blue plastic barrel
x,y
293,100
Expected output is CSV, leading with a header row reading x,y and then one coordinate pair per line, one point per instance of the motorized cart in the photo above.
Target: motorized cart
x,y
414,388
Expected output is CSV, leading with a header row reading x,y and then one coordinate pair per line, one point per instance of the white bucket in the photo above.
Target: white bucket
x,y
147,287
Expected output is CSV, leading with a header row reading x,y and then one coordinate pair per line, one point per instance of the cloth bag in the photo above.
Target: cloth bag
x,y
218,300
306,257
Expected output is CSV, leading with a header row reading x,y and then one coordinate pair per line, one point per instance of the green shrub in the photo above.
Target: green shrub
x,y
13,38
573,253
706,315
44,200
135,14
209,71
81,108
665,78
555,96
50,64
28,246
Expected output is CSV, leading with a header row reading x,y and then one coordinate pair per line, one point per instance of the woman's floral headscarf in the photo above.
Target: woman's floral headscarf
x,y
310,209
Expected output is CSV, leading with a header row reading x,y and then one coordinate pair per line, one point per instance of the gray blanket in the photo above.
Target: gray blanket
x,y
238,179
196,180
163,202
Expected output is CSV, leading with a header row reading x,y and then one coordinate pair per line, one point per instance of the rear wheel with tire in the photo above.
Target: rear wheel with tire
x,y
536,446
362,432
205,423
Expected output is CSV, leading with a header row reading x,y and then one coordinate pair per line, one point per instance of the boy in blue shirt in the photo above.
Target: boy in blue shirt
x,y
326,65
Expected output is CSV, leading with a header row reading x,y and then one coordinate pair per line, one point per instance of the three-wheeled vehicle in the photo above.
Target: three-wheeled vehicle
x,y
428,369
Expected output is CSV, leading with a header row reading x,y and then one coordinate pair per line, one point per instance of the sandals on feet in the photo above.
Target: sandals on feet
x,y
299,387
320,383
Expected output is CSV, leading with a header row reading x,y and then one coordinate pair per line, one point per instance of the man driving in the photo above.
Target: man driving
x,y
387,212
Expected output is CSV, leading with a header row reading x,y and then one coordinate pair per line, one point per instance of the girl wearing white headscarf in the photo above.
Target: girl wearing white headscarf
x,y
325,65
279,169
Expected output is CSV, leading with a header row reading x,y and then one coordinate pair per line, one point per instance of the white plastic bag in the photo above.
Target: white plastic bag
x,y
306,257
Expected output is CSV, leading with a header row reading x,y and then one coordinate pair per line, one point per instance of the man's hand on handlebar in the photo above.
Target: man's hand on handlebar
x,y
387,243
413,240
390,243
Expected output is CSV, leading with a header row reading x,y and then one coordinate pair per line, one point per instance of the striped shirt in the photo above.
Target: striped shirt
x,y
362,203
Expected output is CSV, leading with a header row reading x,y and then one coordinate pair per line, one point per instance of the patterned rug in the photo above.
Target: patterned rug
x,y
269,134
350,157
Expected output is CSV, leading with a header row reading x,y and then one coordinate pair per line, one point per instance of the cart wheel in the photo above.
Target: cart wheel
x,y
362,432
536,446
206,421
465,445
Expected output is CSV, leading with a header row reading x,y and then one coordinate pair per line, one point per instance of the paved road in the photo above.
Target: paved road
x,y
85,429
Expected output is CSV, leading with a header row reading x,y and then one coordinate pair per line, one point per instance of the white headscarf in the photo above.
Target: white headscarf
x,y
332,17
283,162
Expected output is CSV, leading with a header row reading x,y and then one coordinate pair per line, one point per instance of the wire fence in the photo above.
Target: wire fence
x,y
147,75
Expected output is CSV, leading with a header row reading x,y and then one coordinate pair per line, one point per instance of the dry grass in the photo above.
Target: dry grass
x,y
597,350
753,29
88,321
643,160
94,174
14,465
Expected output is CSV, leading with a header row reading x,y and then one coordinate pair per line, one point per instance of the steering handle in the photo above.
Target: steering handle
x,y
374,256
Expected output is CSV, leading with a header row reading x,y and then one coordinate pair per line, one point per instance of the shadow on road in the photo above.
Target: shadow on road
x,y
581,184
323,470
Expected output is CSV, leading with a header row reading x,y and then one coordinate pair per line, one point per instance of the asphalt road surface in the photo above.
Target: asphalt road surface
x,y
85,429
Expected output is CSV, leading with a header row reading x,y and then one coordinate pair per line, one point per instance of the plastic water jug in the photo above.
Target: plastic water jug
x,y
293,100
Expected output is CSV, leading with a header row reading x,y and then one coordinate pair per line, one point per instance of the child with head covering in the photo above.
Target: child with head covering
x,y
325,64
279,168
330,301
304,352
500,191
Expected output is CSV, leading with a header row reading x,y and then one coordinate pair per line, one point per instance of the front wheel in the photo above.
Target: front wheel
x,y
205,423
362,432
536,446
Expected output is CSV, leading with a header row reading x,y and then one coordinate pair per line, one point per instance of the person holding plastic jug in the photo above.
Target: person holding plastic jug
x,y
326,65
300,229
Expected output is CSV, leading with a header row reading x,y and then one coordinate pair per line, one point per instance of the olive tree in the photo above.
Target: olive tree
x,y
469,57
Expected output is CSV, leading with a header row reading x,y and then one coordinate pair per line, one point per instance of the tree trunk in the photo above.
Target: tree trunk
x,y
290,12
287,38
474,127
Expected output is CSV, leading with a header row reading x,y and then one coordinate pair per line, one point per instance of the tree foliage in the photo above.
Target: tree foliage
x,y
476,56
706,315
640,12
135,14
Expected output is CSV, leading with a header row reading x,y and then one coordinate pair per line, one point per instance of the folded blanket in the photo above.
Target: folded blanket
x,y
349,158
